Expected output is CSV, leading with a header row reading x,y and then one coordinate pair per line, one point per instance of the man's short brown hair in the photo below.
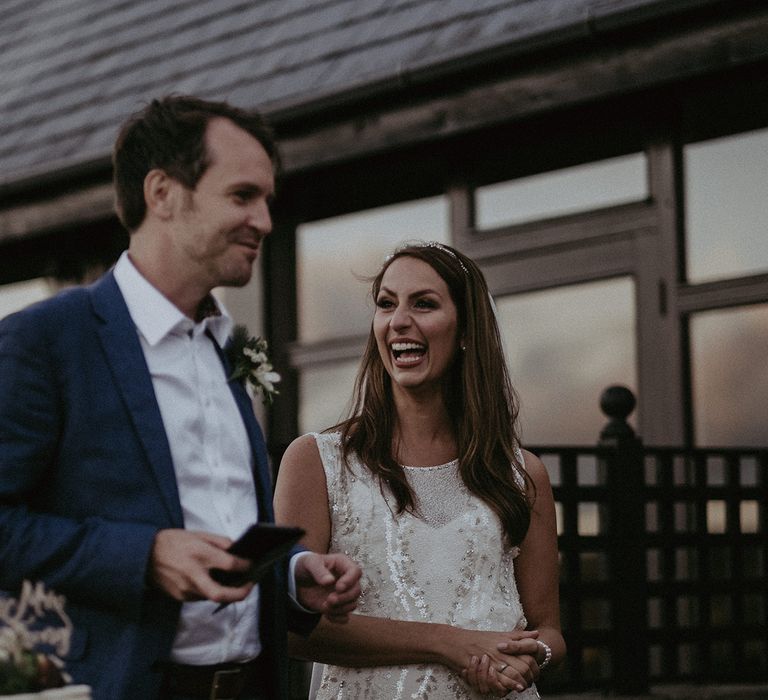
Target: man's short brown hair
x,y
169,134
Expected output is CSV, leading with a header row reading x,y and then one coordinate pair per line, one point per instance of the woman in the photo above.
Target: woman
x,y
425,486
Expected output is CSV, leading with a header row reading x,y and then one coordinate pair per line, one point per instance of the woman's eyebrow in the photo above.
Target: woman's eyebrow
x,y
417,293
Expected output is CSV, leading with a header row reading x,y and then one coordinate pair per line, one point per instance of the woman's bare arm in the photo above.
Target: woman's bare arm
x,y
537,567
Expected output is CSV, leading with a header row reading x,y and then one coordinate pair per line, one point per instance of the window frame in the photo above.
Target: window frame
x,y
644,240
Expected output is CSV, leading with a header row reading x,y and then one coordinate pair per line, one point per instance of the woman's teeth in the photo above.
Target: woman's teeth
x,y
408,352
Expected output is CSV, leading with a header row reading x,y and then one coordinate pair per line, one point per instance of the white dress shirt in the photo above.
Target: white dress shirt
x,y
211,454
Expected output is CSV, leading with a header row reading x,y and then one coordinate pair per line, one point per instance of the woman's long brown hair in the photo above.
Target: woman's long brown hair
x,y
477,392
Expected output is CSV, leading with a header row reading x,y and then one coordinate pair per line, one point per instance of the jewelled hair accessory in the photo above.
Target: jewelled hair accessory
x,y
445,249
433,244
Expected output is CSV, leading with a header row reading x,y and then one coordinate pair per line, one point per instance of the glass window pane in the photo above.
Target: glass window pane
x,y
552,463
716,517
684,516
652,516
726,206
748,470
593,566
717,474
587,471
730,376
653,564
596,663
687,611
753,562
589,524
20,294
655,612
565,346
749,516
684,471
567,191
720,564
686,563
655,655
333,254
687,654
754,608
721,610
325,392
595,614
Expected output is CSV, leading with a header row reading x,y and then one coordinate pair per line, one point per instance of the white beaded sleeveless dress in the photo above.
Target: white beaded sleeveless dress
x,y
448,566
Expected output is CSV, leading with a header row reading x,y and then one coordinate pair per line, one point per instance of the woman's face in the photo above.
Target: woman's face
x,y
415,324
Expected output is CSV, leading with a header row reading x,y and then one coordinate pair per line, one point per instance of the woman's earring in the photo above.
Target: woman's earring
x,y
462,346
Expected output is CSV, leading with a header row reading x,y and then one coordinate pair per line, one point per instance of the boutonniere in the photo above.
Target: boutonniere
x,y
248,356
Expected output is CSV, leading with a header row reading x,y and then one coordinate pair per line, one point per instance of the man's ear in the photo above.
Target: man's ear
x,y
159,193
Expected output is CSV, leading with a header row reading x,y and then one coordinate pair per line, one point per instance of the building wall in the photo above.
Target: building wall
x,y
639,124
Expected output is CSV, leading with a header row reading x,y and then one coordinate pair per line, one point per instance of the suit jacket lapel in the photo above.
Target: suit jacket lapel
x,y
261,471
126,359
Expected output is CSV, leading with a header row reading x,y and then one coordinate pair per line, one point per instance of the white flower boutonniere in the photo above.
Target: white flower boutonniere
x,y
248,356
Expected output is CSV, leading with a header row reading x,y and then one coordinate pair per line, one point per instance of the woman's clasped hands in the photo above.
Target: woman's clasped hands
x,y
510,666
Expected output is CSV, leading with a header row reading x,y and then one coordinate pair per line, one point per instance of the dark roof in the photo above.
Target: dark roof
x,y
72,70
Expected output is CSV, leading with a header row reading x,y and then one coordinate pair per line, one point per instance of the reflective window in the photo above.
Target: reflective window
x,y
20,294
730,376
726,206
749,516
332,255
589,520
565,346
325,392
716,517
568,191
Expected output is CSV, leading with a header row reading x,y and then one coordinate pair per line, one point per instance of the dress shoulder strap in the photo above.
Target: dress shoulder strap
x,y
520,467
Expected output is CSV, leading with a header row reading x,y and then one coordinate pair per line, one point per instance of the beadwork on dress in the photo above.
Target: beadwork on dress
x,y
446,563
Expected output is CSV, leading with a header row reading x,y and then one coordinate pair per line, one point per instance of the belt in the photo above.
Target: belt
x,y
225,681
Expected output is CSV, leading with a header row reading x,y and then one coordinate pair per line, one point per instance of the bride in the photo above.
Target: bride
x,y
427,488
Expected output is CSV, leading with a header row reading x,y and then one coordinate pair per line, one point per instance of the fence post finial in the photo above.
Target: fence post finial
x,y
617,402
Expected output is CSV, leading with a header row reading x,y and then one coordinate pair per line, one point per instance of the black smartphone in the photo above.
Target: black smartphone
x,y
263,544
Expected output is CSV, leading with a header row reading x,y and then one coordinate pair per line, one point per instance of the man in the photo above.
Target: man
x,y
128,461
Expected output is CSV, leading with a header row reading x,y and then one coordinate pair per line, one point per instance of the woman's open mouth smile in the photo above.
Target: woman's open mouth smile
x,y
407,354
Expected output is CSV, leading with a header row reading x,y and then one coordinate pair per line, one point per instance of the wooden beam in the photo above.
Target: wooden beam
x,y
591,72
281,322
84,206
559,233
560,267
723,293
326,351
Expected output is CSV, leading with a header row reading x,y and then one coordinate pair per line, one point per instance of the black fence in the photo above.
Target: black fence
x,y
664,558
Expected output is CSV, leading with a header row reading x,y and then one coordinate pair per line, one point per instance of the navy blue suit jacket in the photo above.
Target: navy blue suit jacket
x,y
86,480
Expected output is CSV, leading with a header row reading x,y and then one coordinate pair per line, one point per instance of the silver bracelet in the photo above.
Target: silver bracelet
x,y
547,654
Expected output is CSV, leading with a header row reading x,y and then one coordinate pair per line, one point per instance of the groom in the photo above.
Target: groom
x,y
128,460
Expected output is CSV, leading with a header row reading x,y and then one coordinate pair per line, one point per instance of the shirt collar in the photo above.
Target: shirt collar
x,y
156,316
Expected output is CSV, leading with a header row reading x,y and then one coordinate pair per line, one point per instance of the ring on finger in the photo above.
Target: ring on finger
x,y
502,667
